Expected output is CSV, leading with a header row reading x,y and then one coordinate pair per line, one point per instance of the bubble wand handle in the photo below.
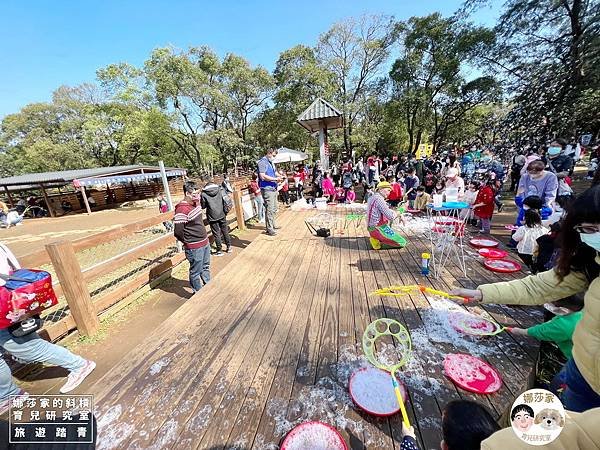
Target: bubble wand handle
x,y
400,400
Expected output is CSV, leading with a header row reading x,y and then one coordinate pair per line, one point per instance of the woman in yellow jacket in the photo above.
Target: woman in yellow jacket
x,y
577,271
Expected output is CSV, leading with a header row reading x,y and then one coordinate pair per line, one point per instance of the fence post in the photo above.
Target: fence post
x,y
239,210
74,287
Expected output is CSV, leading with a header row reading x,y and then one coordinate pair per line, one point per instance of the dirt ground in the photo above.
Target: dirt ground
x,y
34,233
127,328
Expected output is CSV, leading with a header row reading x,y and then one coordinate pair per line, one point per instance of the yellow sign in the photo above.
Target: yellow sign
x,y
424,151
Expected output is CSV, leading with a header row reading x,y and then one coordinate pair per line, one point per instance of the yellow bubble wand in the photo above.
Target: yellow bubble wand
x,y
389,327
397,291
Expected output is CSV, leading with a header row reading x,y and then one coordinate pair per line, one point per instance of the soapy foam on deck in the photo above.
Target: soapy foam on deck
x,y
159,365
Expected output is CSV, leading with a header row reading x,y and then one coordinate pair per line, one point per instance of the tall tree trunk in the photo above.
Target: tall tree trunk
x,y
418,140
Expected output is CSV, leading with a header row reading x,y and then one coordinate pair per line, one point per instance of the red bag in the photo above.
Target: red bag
x,y
28,299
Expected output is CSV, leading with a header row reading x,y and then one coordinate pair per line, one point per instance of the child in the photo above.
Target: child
x,y
368,193
469,199
340,195
409,439
484,206
396,194
423,199
563,187
328,188
284,188
163,207
560,328
411,182
429,182
350,195
592,166
465,424
526,236
299,177
257,198
347,181
561,205
440,187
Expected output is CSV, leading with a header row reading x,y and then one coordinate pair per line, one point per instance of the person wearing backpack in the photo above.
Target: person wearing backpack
x,y
217,204
32,348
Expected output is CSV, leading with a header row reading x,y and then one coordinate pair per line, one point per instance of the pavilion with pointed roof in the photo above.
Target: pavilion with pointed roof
x,y
321,116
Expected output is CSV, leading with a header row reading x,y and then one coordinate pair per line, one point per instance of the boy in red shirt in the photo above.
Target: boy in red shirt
x,y
396,194
483,208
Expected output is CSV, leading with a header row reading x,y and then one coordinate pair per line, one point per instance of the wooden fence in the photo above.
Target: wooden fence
x,y
82,302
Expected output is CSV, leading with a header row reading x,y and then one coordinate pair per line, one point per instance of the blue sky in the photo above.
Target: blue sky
x,y
45,44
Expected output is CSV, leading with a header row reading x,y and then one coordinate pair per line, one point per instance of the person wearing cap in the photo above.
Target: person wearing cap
x,y
454,181
379,218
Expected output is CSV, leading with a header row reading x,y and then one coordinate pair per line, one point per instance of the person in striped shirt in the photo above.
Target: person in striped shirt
x,y
379,218
191,232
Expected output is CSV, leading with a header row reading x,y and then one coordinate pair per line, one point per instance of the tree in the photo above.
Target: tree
x,y
549,53
299,79
206,94
355,51
450,111
427,77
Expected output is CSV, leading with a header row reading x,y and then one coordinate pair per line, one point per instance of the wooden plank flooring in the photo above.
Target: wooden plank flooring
x,y
272,340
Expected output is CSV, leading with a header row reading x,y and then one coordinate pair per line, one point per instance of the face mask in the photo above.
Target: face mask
x,y
592,240
554,151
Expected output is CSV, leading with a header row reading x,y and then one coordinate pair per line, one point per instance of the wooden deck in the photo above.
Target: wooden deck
x,y
273,339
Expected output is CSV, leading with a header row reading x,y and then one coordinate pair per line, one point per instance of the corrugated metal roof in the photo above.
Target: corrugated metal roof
x,y
319,109
69,175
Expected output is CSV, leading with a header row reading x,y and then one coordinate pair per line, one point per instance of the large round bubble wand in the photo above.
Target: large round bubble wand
x,y
389,327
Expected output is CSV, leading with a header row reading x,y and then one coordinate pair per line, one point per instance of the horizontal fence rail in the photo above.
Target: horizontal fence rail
x,y
94,273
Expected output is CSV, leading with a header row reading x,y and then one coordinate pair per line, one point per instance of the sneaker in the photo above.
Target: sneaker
x,y
218,253
76,377
271,233
501,207
228,250
5,404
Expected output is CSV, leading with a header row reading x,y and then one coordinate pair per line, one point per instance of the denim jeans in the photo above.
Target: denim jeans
x,y
259,204
32,348
578,396
199,259
485,225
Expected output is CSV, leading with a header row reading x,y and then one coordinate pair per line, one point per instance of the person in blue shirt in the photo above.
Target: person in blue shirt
x,y
267,181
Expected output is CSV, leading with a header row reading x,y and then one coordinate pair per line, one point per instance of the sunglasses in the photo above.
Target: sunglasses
x,y
587,229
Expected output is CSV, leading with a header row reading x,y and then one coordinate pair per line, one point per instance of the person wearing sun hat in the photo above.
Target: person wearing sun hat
x,y
454,181
379,217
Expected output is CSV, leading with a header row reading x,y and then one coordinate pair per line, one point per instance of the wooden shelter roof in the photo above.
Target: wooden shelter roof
x,y
320,112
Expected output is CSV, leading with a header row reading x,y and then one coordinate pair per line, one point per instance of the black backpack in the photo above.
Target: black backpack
x,y
227,202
